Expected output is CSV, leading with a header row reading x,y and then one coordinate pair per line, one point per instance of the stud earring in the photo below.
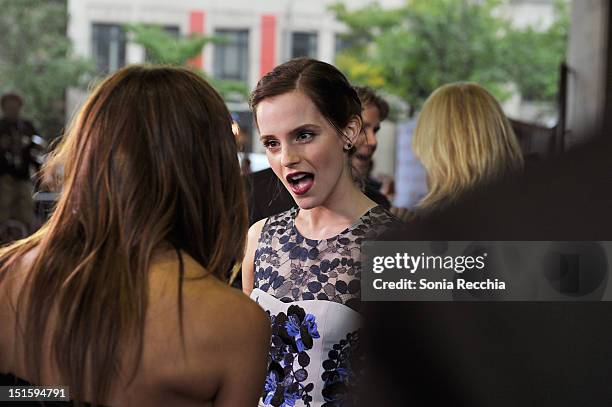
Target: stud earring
x,y
348,146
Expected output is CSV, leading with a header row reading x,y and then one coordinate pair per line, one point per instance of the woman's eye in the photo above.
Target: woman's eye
x,y
270,144
304,136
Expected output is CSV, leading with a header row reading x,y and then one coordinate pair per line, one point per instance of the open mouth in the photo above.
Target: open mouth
x,y
300,182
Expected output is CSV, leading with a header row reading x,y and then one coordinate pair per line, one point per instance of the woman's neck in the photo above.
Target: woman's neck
x,y
341,210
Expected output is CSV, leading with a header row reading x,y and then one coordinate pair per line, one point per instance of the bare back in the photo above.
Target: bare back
x,y
222,362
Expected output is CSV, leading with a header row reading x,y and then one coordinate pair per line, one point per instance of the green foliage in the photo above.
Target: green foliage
x,y
164,48
411,50
534,56
361,71
36,59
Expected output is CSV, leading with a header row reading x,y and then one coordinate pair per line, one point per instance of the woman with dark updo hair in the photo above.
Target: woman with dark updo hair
x,y
303,266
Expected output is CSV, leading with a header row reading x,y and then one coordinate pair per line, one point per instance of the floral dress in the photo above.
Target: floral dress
x,y
311,292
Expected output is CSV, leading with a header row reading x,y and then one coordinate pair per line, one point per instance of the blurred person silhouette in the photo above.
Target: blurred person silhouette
x,y
375,111
11,230
504,354
17,160
267,195
303,266
121,294
245,165
463,139
387,186
498,353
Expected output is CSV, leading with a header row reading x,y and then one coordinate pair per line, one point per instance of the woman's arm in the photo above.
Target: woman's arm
x,y
248,266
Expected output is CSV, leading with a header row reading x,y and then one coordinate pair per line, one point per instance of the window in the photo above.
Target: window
x,y
342,43
303,45
232,56
108,49
172,30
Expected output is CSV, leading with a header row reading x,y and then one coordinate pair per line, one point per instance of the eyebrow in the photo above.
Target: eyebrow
x,y
295,131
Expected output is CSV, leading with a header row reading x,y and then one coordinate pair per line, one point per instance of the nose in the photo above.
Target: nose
x,y
289,156
371,138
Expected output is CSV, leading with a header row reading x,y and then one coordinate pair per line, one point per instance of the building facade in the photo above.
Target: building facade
x,y
259,34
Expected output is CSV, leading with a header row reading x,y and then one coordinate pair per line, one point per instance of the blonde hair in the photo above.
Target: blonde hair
x,y
463,139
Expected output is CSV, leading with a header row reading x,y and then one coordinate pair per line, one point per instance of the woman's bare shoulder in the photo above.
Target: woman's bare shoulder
x,y
256,228
13,279
233,312
219,323
207,301
254,233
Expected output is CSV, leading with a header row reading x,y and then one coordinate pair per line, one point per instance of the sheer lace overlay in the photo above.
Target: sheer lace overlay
x,y
293,268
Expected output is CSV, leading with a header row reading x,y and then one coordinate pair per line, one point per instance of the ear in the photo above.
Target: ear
x,y
352,131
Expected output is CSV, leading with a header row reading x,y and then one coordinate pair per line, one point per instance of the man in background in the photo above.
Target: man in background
x,y
16,162
375,110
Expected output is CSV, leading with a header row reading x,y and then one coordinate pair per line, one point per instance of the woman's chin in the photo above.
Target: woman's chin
x,y
306,203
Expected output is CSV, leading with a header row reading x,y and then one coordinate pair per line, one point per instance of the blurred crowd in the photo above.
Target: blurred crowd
x,y
22,152
123,292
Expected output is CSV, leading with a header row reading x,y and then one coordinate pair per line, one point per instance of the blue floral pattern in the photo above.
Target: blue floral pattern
x,y
344,364
289,268
293,334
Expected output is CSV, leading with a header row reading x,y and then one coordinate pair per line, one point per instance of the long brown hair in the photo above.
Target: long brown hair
x,y
149,161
